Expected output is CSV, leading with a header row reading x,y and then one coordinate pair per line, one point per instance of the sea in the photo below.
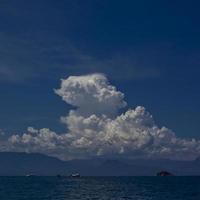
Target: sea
x,y
100,188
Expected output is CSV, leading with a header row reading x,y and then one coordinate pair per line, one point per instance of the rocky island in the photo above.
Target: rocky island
x,y
164,173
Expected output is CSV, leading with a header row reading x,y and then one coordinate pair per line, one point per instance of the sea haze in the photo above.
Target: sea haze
x,y
21,164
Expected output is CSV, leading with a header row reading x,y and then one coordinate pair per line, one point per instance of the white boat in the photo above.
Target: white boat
x,y
75,175
30,175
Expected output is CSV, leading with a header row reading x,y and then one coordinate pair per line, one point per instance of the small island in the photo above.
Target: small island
x,y
164,173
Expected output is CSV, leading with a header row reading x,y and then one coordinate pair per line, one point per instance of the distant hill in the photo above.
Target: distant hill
x,y
12,163
20,164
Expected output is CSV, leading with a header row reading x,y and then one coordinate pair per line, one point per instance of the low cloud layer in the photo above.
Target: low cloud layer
x,y
94,128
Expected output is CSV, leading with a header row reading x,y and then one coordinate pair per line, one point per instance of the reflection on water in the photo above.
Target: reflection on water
x,y
104,188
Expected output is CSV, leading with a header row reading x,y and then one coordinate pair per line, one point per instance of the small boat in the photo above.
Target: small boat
x,y
75,175
30,175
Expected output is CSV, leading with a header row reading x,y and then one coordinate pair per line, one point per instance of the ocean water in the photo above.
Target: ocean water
x,y
104,188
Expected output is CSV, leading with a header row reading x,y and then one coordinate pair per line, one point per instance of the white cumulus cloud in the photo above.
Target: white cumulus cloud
x,y
91,94
95,129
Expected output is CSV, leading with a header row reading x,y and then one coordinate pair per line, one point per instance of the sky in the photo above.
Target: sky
x,y
147,50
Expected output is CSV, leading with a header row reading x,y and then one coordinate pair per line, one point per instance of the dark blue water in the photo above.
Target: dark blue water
x,y
105,188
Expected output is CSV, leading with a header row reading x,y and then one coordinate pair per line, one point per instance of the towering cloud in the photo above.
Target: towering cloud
x,y
94,129
91,94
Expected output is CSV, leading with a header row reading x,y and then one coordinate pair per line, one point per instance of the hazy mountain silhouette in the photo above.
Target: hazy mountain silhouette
x,y
20,164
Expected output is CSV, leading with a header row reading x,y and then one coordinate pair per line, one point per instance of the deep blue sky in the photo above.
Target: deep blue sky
x,y
149,49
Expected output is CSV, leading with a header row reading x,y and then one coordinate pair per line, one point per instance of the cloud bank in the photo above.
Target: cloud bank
x,y
94,127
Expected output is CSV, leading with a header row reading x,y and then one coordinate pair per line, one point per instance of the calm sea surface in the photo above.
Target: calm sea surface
x,y
108,188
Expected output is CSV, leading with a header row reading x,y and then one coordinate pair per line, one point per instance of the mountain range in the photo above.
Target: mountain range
x,y
20,164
